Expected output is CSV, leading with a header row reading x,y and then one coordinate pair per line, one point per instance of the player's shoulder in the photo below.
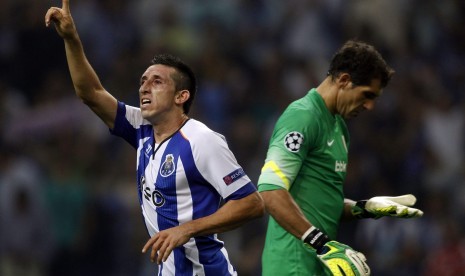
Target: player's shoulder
x,y
132,113
311,103
300,112
198,132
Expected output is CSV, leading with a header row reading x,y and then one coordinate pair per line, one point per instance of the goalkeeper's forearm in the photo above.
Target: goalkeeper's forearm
x,y
282,207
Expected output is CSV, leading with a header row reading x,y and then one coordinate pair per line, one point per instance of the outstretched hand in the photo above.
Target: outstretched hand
x,y
61,17
396,206
392,206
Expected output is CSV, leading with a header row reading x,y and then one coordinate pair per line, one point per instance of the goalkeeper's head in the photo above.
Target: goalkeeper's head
x,y
362,62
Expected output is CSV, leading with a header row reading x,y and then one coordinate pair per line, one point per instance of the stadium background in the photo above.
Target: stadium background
x,y
68,201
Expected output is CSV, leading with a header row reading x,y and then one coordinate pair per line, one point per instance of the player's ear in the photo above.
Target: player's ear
x,y
182,96
344,80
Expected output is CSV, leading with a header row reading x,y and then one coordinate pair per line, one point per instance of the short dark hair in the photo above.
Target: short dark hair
x,y
184,79
362,62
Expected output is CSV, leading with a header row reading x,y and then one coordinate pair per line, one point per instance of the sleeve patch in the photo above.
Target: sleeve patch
x,y
293,141
233,176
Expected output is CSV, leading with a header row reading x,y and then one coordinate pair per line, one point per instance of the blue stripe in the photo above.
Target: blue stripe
x,y
206,201
123,128
128,132
166,185
144,157
168,217
242,192
184,266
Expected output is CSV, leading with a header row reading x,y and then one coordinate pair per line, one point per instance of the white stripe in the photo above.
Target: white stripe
x,y
344,142
183,195
230,267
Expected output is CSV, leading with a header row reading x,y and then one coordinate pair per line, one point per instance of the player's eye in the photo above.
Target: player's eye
x,y
370,95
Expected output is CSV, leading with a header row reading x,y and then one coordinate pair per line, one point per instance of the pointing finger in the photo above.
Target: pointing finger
x,y
65,6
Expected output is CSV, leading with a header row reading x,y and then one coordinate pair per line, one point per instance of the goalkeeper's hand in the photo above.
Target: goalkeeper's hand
x,y
339,259
381,206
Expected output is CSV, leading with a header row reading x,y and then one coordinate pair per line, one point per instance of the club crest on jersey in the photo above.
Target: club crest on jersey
x,y
235,175
167,168
293,141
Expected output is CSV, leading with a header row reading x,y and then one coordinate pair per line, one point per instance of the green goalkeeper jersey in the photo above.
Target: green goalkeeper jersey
x,y
307,156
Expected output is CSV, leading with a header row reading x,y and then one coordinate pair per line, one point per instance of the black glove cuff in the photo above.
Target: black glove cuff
x,y
359,210
315,238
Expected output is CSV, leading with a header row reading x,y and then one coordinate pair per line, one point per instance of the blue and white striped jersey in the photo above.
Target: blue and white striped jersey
x,y
181,179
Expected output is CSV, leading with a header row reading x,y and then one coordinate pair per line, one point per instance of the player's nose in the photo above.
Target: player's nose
x,y
369,105
143,89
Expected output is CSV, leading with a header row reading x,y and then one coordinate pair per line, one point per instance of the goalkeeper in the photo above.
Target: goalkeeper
x,y
305,168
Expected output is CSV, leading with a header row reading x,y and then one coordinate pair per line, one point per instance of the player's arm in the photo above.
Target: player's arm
x,y
86,82
335,256
282,207
231,215
381,206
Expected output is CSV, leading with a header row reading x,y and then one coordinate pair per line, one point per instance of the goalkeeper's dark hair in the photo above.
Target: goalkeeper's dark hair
x,y
184,78
362,62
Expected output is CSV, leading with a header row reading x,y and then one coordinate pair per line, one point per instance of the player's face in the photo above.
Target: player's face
x,y
157,92
353,100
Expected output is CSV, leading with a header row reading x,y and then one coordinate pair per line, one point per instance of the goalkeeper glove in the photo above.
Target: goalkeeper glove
x,y
339,259
380,206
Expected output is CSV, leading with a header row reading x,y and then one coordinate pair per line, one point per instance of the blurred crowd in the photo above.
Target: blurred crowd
x,y
68,202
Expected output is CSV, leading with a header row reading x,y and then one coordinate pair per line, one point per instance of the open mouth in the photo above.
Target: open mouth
x,y
145,102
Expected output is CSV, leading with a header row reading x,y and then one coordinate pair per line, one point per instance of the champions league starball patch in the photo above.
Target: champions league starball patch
x,y
293,141
167,168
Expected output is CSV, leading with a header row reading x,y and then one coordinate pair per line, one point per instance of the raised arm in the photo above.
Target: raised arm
x,y
86,82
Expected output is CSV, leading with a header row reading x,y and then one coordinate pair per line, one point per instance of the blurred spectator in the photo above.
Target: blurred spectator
x,y
449,258
25,240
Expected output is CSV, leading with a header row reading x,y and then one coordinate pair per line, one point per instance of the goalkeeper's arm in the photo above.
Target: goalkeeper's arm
x,y
381,206
337,258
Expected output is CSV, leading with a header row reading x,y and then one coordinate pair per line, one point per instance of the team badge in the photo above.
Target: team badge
x,y
167,168
293,141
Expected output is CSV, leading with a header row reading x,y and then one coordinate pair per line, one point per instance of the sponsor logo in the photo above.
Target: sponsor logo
x,y
317,236
154,197
330,143
235,175
147,150
340,166
167,168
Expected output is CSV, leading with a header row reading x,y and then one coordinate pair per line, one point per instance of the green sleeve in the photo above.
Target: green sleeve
x,y
283,164
269,187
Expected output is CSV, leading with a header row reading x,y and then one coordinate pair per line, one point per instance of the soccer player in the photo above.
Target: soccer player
x,y
184,169
302,179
